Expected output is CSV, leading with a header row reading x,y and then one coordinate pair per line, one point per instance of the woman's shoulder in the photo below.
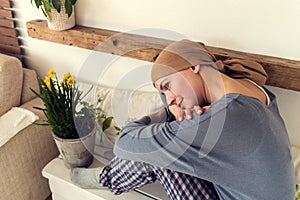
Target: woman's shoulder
x,y
248,87
240,102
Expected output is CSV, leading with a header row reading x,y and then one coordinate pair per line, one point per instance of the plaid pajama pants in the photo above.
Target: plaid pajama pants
x,y
125,175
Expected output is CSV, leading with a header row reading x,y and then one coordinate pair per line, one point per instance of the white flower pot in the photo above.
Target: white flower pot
x,y
60,21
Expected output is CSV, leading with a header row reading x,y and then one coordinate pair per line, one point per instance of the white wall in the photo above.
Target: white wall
x,y
268,27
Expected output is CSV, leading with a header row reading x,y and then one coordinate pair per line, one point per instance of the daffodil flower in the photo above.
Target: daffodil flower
x,y
70,80
47,80
51,73
67,76
60,97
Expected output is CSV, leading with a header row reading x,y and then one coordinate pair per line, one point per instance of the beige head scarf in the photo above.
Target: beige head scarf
x,y
184,54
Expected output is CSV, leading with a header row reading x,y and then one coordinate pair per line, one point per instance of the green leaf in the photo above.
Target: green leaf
x,y
38,3
106,123
117,128
57,5
38,108
40,124
68,6
73,2
47,6
37,94
45,14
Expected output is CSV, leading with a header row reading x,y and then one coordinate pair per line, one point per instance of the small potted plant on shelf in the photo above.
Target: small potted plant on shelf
x,y
59,13
73,125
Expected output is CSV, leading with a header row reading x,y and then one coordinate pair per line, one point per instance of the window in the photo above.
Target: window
x,y
9,41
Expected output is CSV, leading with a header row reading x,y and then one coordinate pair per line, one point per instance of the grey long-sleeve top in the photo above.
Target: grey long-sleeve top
x,y
240,145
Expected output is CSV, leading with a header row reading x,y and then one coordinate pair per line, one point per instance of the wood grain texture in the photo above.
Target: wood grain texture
x,y
282,72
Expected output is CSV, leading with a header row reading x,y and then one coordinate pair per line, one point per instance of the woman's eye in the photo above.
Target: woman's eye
x,y
166,86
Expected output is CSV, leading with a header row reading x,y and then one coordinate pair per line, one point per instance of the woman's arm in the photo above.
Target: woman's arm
x,y
161,144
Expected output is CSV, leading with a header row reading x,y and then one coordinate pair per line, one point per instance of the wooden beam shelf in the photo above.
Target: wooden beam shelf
x,y
284,73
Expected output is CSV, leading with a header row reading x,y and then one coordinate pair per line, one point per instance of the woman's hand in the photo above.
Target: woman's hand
x,y
180,113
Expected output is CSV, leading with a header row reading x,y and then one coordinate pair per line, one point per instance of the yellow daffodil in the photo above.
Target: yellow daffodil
x,y
51,73
56,93
47,80
67,76
70,80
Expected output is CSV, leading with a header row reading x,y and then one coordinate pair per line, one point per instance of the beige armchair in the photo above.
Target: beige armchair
x,y
23,157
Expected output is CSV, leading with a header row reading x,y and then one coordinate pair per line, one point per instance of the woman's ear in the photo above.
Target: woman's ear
x,y
196,69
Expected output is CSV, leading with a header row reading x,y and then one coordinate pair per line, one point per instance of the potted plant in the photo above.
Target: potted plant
x,y
107,134
59,13
99,113
73,125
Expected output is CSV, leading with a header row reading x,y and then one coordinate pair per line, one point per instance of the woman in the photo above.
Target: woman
x,y
240,144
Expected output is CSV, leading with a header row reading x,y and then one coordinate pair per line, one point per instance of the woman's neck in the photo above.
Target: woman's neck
x,y
217,84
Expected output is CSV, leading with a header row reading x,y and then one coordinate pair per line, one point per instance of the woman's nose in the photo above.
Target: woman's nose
x,y
171,98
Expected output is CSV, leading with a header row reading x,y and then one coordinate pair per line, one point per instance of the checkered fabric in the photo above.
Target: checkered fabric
x,y
125,175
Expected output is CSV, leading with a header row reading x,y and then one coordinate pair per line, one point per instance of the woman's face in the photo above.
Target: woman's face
x,y
183,90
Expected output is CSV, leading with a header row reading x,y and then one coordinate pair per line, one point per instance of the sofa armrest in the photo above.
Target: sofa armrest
x,y
29,81
23,157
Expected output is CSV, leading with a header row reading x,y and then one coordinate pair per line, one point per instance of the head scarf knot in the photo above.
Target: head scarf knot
x,y
237,68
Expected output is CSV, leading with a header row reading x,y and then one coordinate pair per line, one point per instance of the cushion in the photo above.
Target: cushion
x,y
296,159
128,105
11,78
13,121
29,81
123,104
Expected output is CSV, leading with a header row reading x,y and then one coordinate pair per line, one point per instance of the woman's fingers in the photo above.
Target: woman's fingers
x,y
198,110
188,113
180,113
206,107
